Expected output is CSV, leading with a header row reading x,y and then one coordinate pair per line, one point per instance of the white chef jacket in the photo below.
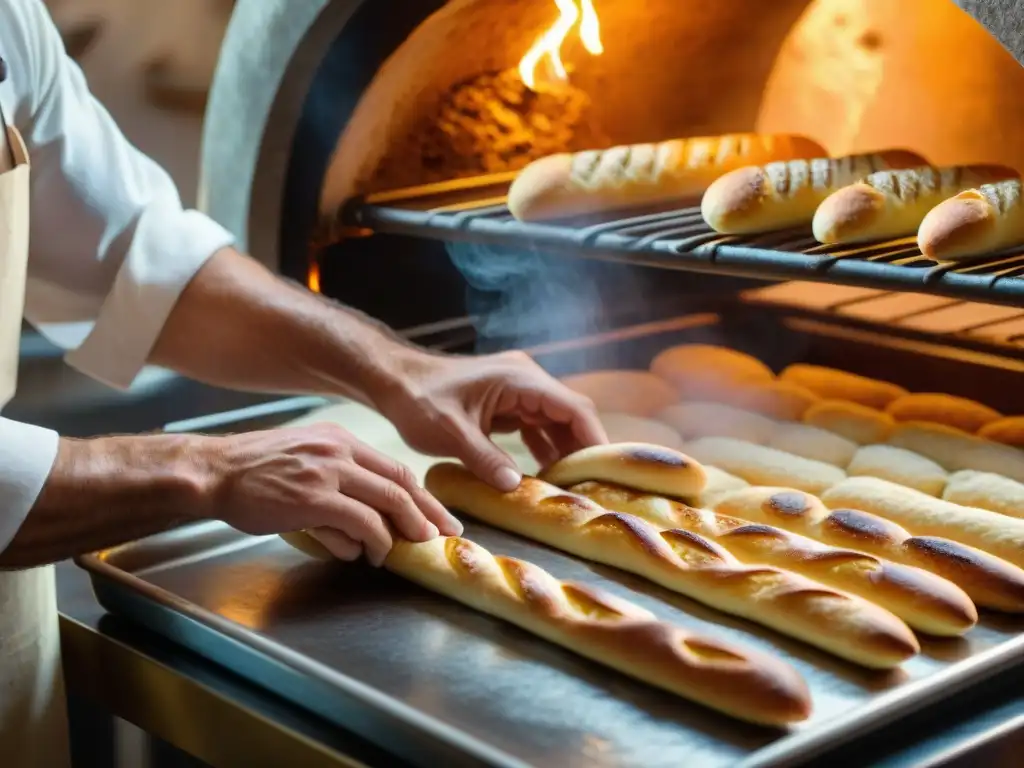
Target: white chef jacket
x,y
110,246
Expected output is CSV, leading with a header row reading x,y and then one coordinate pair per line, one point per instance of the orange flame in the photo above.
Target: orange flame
x,y
549,44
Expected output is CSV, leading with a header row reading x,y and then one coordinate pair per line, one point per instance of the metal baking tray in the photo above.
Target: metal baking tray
x,y
439,684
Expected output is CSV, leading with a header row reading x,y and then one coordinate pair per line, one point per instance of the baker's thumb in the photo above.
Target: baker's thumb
x,y
488,462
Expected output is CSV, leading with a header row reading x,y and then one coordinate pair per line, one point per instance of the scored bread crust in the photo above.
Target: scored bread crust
x,y
838,622
834,384
787,193
740,682
622,177
938,408
637,393
977,221
761,465
925,601
988,580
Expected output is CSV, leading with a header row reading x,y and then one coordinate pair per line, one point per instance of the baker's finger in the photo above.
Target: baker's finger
x,y
337,543
362,524
540,447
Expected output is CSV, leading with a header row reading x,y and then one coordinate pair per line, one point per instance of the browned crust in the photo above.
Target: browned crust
x,y
1008,430
957,412
641,465
733,196
846,212
957,228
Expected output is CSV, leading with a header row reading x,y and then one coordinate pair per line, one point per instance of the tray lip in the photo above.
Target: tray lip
x,y
800,743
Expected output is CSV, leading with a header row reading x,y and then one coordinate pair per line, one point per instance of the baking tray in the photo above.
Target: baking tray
x,y
439,684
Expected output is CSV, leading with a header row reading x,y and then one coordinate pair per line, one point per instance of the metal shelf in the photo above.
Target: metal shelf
x,y
474,210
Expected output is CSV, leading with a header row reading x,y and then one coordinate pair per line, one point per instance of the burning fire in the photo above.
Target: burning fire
x,y
549,44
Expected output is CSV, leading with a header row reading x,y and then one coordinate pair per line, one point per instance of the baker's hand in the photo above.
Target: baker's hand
x,y
321,478
447,406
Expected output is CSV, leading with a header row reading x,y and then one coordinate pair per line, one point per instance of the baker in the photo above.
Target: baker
x,y
98,253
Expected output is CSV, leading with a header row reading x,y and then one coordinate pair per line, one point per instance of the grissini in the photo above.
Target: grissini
x,y
985,490
834,384
853,421
699,371
762,198
1008,430
810,442
989,581
977,221
893,203
955,449
760,465
638,393
624,428
898,465
924,515
637,465
956,412
927,602
707,419
742,683
622,177
838,622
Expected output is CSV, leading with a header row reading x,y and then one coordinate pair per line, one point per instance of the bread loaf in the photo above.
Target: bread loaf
x,y
956,412
977,221
984,490
954,449
623,428
760,465
927,602
891,204
780,400
833,384
989,581
719,484
636,465
787,193
853,421
739,682
898,465
812,442
637,393
923,515
838,622
699,371
1008,430
567,185
705,419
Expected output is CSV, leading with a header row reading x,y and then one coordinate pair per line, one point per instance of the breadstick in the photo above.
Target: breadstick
x,y
719,485
786,194
927,602
891,204
566,185
760,465
853,421
974,222
897,465
706,419
623,428
833,384
742,683
637,465
984,490
698,371
638,393
956,412
1008,430
840,623
812,442
923,515
955,449
988,581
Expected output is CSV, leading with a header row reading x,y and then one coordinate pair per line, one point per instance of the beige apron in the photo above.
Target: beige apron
x,y
33,709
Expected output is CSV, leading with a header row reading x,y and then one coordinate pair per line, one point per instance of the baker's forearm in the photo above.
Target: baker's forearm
x,y
105,492
237,325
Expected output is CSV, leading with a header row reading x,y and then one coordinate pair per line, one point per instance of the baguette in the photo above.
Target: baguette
x,y
698,371
891,204
956,412
637,393
842,624
1008,430
984,490
833,384
719,485
624,428
923,515
567,185
637,465
853,421
987,580
704,419
780,400
954,449
760,465
977,221
926,602
787,193
749,685
812,442
887,462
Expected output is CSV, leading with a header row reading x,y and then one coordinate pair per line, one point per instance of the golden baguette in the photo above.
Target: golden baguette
x,y
897,465
974,222
955,449
762,198
891,204
699,371
923,515
719,485
595,181
927,602
833,384
760,465
853,421
1008,430
985,490
810,442
746,684
840,623
707,419
989,581
956,412
637,393
780,400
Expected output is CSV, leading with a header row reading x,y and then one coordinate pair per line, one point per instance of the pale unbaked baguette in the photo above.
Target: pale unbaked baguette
x,y
638,393
956,412
742,683
622,177
760,465
955,449
624,428
985,490
698,371
989,581
891,204
923,515
812,442
853,421
927,602
786,194
899,466
834,384
780,400
708,419
838,622
974,222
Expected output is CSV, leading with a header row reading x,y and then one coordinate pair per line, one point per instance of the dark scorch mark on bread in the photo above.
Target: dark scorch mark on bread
x,y
789,503
860,524
654,455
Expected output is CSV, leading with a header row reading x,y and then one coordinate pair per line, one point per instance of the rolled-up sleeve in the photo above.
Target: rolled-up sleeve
x,y
27,454
111,246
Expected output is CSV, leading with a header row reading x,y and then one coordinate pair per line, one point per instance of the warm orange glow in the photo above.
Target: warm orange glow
x,y
313,279
549,44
